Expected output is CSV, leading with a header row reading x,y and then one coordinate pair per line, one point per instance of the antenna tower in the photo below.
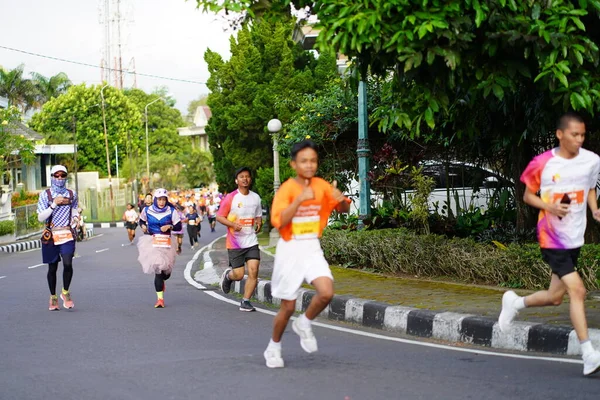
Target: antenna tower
x,y
114,18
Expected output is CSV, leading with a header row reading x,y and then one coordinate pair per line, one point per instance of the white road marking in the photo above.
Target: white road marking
x,y
35,266
29,251
95,236
1,277
101,250
191,281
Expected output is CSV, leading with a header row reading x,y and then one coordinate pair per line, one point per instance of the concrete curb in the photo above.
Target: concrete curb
x,y
33,244
108,224
447,326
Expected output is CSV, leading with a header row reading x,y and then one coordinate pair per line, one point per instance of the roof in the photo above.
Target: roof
x,y
21,129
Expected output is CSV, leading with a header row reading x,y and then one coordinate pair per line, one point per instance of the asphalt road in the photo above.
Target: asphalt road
x,y
115,345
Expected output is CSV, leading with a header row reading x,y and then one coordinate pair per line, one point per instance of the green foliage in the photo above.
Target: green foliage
x,y
7,227
423,185
13,148
265,78
23,198
198,169
81,109
263,182
400,252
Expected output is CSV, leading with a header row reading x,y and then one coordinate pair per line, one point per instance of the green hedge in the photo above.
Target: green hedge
x,y
399,251
7,228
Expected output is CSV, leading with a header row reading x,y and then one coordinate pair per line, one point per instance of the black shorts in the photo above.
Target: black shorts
x,y
238,257
130,225
562,261
212,219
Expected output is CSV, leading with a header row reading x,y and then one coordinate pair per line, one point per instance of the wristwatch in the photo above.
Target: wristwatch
x,y
53,206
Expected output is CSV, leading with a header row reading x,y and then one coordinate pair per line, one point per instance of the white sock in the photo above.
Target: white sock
x,y
586,347
303,321
274,345
520,303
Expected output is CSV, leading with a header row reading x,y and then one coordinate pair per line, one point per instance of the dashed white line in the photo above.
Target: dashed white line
x,y
1,277
95,236
35,266
29,251
101,250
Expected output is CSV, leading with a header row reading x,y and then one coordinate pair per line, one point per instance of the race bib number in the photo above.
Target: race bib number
x,y
192,222
306,227
161,241
61,235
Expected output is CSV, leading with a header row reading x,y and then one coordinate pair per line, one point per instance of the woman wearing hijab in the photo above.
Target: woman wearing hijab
x,y
57,207
156,251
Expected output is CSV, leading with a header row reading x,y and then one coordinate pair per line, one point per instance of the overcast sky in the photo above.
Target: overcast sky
x,y
166,38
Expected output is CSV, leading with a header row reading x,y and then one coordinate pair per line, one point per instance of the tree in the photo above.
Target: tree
x,y
14,148
260,81
47,88
163,137
81,109
19,91
198,168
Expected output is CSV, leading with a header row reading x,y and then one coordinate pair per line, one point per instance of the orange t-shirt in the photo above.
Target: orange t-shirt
x,y
312,215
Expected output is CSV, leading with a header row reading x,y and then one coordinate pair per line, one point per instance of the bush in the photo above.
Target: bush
x,y
23,198
399,251
7,228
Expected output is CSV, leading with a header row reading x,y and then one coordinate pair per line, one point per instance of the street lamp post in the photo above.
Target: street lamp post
x,y
147,146
363,153
274,126
112,198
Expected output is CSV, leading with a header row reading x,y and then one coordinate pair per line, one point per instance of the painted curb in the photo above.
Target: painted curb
x,y
108,225
448,326
34,244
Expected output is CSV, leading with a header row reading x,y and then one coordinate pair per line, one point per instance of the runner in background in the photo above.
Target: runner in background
x,y
211,213
157,253
193,225
130,216
301,209
147,202
179,233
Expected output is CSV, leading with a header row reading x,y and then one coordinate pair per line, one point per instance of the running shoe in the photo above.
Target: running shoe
x,y
160,303
509,311
225,281
245,305
307,339
53,304
67,301
179,250
591,363
273,358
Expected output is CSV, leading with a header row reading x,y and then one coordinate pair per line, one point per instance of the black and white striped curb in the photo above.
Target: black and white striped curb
x,y
447,326
109,224
32,244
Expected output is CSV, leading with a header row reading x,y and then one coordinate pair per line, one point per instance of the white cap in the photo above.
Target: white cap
x,y
161,193
58,168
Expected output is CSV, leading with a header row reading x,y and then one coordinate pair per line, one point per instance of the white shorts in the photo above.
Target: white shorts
x,y
297,261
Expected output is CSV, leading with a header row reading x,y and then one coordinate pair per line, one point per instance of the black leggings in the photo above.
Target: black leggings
x,y
159,281
67,261
193,234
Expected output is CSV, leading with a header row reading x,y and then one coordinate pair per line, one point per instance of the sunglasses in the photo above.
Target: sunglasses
x,y
60,175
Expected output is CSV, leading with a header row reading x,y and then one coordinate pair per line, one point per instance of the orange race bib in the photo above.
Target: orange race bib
x,y
163,241
575,196
306,227
62,235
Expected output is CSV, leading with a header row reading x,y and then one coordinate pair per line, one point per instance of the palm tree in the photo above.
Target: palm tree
x,y
49,88
19,91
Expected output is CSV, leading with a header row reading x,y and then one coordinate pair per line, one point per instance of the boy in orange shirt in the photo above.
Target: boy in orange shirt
x,y
300,211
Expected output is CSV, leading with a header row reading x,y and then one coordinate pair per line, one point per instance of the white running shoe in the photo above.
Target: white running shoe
x,y
307,339
509,311
591,363
273,358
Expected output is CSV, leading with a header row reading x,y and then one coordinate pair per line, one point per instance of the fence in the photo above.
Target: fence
x,y
26,221
96,204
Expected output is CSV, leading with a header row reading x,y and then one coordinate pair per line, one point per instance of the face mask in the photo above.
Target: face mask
x,y
60,183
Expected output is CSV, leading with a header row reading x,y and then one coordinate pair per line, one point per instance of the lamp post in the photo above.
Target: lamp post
x,y
147,147
363,153
112,198
274,126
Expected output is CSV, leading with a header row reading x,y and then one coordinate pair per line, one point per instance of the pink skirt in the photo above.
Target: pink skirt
x,y
155,260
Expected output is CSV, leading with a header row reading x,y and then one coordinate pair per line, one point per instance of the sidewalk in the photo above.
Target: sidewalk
x,y
435,309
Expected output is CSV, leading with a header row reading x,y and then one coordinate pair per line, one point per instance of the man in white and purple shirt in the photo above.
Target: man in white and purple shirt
x,y
241,213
